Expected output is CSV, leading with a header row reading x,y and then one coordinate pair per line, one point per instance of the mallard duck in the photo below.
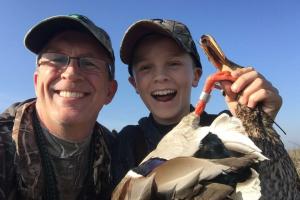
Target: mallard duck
x,y
170,171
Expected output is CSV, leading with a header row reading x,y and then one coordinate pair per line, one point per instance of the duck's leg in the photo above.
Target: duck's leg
x,y
208,86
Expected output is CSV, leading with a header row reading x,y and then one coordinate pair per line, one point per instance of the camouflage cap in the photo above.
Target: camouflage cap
x,y
39,35
174,29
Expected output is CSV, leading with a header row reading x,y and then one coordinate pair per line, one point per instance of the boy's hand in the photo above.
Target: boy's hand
x,y
252,88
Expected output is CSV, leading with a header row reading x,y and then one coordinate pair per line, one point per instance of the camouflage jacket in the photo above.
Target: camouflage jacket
x,y
21,170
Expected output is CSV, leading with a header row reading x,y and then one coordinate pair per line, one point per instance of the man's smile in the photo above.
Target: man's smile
x,y
71,94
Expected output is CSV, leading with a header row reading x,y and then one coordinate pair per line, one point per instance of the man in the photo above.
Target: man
x,y
52,147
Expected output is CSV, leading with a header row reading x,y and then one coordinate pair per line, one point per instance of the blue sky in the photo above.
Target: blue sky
x,y
262,34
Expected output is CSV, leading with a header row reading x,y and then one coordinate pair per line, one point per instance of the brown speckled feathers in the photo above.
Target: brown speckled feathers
x,y
278,176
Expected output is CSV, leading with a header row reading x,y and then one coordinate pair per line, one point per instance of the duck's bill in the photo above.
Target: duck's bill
x,y
215,54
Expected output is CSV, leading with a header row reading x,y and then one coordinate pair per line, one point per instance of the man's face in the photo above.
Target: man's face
x,y
163,75
70,96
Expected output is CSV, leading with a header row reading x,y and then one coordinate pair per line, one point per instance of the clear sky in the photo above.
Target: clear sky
x,y
263,34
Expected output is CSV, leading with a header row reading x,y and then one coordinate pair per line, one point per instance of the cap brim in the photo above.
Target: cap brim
x,y
134,33
39,35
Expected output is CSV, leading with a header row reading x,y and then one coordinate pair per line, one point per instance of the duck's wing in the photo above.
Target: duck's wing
x,y
234,136
134,187
183,140
183,178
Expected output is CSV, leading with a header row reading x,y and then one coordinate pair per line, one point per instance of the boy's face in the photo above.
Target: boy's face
x,y
163,75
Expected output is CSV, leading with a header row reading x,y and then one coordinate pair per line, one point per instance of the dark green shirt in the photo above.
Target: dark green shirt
x,y
69,160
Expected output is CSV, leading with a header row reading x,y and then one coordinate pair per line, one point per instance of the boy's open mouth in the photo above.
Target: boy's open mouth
x,y
164,95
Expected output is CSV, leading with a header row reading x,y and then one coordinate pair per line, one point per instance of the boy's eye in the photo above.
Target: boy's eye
x,y
174,63
143,68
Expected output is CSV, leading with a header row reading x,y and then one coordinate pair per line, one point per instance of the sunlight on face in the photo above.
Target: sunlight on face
x,y
163,75
71,97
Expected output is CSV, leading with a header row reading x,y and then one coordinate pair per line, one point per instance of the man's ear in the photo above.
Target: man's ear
x,y
111,91
197,72
133,83
35,80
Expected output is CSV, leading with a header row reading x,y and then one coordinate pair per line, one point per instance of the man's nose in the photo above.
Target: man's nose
x,y
72,70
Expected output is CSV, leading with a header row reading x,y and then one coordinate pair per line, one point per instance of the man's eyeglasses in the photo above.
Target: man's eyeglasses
x,y
61,61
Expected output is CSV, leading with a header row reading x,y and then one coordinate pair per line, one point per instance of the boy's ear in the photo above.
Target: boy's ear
x,y
197,75
133,83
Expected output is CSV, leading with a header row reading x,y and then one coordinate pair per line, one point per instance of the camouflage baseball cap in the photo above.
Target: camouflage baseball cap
x,y
174,29
39,35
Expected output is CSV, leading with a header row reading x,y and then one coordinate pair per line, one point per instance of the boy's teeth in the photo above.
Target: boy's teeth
x,y
163,92
70,94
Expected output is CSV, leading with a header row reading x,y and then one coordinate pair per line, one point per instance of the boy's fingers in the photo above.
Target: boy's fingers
x,y
226,86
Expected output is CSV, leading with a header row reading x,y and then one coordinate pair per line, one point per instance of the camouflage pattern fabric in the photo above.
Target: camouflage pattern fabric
x,y
21,173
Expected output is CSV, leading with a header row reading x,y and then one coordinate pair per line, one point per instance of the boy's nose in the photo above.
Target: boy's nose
x,y
161,75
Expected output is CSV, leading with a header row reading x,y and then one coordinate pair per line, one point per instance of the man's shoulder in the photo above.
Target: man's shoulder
x,y
109,136
7,118
10,112
106,131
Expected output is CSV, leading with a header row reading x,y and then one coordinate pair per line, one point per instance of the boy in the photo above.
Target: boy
x,y
164,65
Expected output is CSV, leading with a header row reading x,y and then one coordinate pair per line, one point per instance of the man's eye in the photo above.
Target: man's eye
x,y
54,59
88,64
58,60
